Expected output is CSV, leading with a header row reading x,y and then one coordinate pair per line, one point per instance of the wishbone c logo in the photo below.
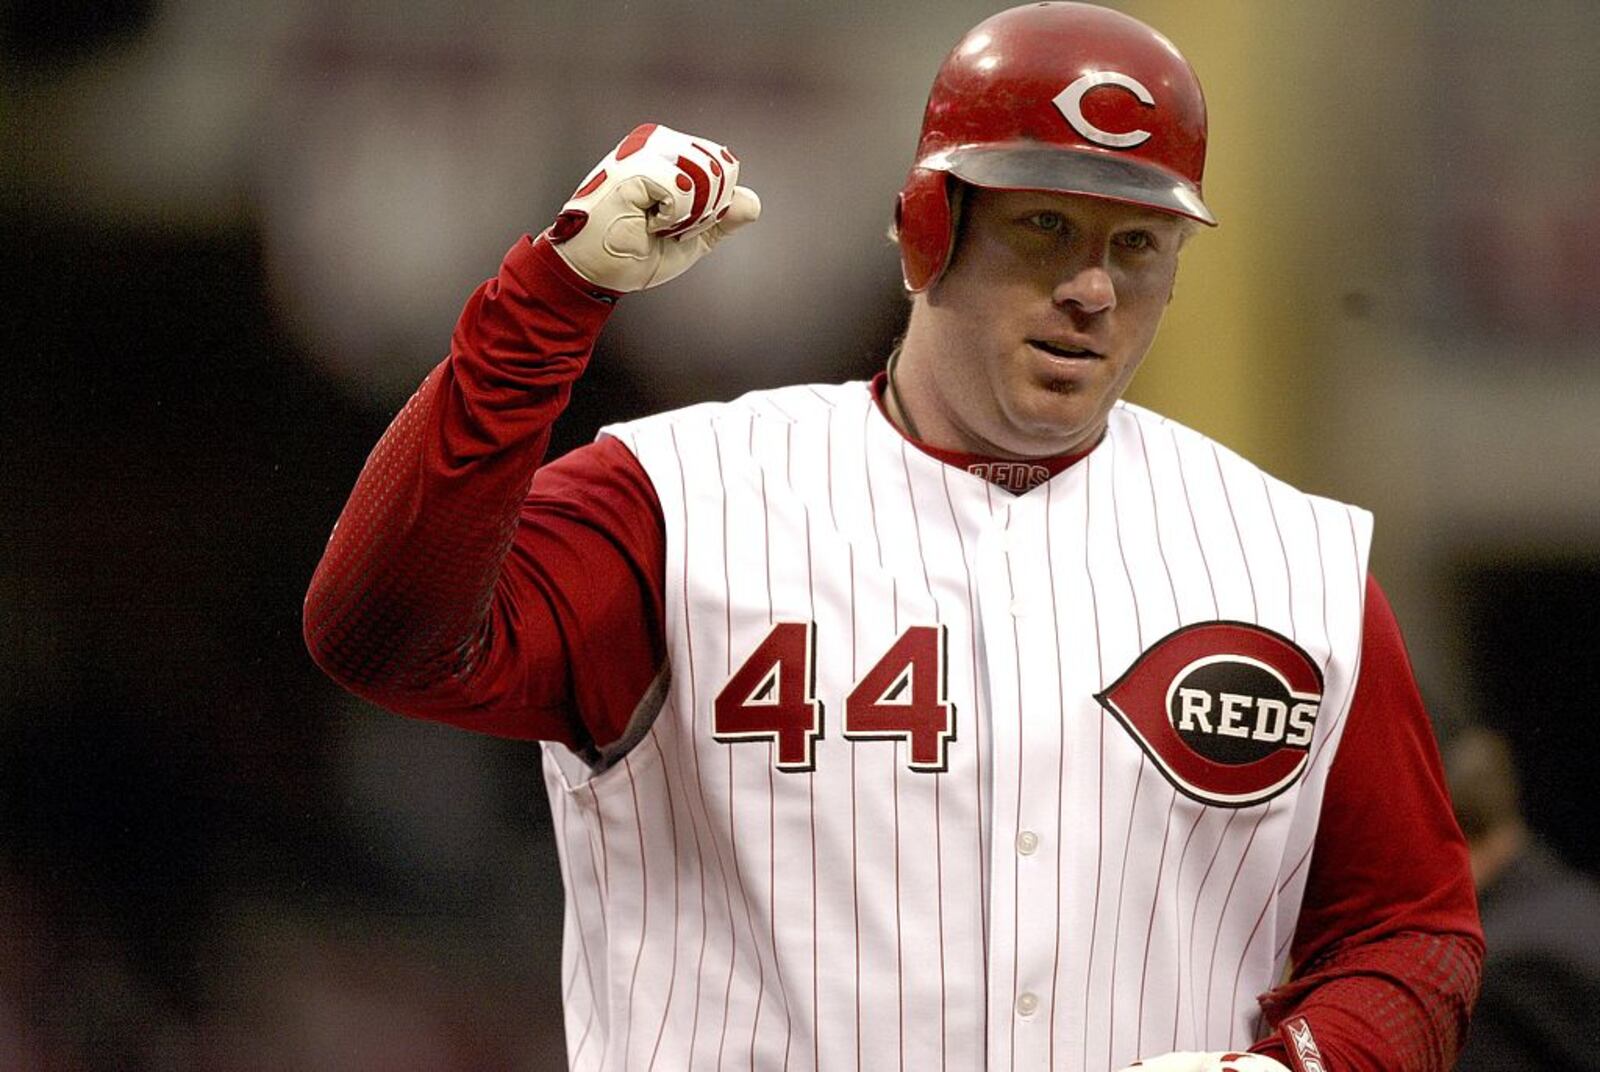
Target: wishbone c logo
x,y
1070,102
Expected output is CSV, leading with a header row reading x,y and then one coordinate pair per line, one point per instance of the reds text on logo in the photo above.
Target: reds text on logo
x,y
1070,102
1225,709
1015,477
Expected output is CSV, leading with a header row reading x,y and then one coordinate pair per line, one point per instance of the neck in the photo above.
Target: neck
x,y
1016,476
912,404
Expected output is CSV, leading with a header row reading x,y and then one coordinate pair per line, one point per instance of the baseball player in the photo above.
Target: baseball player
x,y
967,718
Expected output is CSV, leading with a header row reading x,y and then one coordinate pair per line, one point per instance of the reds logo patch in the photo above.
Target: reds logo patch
x,y
1225,709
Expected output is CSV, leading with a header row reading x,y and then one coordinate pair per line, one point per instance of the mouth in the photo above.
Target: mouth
x,y
1064,351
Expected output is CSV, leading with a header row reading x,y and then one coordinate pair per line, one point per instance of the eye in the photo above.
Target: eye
x,y
1049,222
1137,241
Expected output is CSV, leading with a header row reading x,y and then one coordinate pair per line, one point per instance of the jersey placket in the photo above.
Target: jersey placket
x,y
1021,657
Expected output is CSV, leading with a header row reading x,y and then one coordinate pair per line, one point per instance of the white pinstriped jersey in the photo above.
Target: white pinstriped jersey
x,y
918,830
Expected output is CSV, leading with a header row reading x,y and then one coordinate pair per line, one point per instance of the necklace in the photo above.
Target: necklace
x,y
894,396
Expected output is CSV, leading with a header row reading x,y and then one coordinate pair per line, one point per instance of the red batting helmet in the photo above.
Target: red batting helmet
x,y
1054,96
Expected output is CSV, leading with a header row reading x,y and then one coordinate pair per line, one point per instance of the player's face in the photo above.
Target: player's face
x,y
1049,305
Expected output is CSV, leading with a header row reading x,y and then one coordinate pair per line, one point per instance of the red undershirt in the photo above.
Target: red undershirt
x,y
559,637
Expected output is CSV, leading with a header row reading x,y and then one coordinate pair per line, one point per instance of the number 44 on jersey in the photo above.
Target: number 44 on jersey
x,y
772,697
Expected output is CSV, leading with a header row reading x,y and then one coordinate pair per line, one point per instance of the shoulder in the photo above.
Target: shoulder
x,y
785,405
1142,430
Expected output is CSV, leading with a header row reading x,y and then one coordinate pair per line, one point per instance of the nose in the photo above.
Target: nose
x,y
1087,289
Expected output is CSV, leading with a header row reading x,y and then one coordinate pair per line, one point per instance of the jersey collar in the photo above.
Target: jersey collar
x,y
1015,476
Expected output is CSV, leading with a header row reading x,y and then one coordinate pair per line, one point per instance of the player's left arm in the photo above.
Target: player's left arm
x,y
1388,947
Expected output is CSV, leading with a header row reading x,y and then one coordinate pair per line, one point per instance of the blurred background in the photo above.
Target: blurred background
x,y
236,235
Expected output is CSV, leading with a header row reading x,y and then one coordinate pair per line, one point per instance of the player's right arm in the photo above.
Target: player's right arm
x,y
461,581
1388,947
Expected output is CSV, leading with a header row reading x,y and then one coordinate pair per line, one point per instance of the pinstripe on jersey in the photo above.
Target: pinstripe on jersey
x,y
1049,899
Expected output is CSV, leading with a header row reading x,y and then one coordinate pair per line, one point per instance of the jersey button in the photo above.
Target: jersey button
x,y
1027,1003
1027,842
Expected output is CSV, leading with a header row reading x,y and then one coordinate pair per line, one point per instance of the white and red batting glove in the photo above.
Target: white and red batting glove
x,y
656,204
1208,1062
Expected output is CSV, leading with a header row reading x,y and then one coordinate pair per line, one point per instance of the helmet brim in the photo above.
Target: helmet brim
x,y
1066,171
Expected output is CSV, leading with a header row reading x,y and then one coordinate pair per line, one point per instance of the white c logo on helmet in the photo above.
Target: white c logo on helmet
x,y
1070,101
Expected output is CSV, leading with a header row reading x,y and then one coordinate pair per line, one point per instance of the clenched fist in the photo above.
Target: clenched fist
x,y
656,204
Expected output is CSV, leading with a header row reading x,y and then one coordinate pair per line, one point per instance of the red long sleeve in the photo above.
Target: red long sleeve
x,y
1388,946
431,599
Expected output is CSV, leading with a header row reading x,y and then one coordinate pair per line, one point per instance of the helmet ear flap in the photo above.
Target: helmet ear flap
x,y
923,225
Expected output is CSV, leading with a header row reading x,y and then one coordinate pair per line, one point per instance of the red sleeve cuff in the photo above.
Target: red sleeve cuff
x,y
533,262
1294,1046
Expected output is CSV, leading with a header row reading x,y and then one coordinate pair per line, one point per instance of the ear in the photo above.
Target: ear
x,y
925,227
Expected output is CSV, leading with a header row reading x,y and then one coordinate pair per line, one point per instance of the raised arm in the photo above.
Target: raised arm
x,y
415,604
